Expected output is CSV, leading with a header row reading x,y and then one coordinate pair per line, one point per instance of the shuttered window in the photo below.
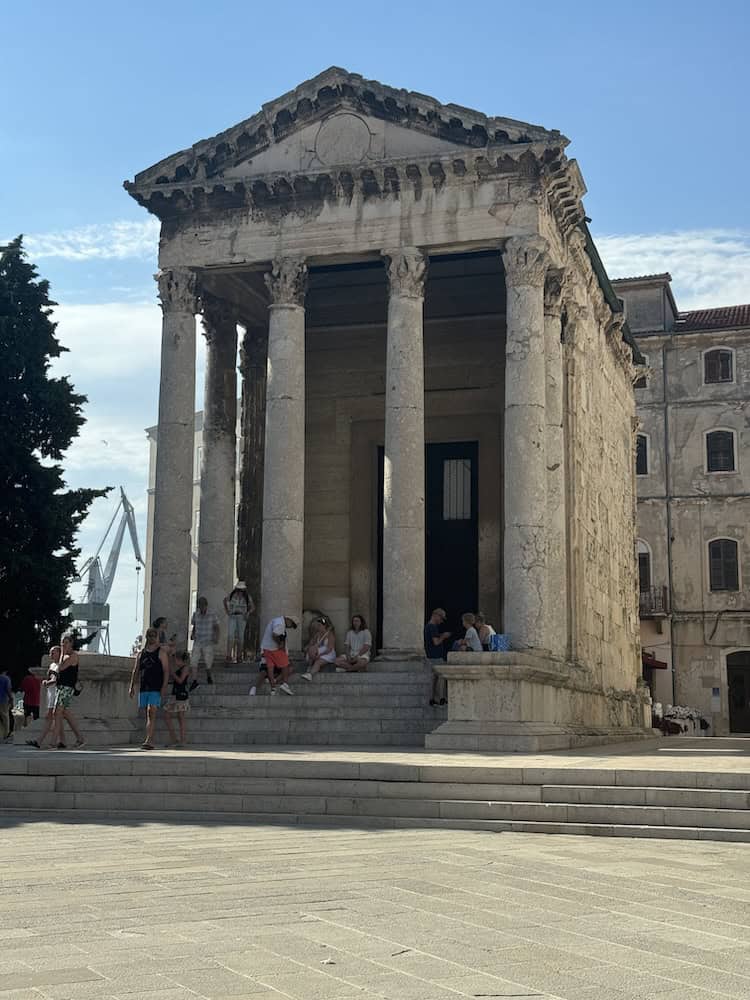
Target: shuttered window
x,y
456,489
720,451
723,564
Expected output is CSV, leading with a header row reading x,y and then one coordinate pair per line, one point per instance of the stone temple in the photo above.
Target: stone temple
x,y
436,397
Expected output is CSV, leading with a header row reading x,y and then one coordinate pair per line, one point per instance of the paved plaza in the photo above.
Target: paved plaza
x,y
157,911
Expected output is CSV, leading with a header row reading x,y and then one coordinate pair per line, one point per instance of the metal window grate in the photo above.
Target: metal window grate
x,y
720,451
457,489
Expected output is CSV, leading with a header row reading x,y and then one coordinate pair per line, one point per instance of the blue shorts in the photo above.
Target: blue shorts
x,y
149,698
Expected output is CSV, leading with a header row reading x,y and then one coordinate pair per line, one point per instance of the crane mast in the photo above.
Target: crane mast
x,y
93,610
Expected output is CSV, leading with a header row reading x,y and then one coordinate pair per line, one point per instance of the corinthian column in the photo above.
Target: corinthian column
x,y
173,493
403,478
284,460
219,454
557,555
253,366
525,538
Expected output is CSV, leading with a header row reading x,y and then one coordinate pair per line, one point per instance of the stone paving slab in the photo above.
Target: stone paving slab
x,y
172,911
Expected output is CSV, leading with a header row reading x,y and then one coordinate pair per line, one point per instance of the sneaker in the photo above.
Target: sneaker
x,y
273,690
33,743
307,677
61,746
147,746
253,691
341,670
285,688
79,744
193,686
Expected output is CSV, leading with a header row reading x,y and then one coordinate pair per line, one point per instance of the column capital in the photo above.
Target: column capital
x,y
216,314
177,290
526,260
287,281
406,268
554,286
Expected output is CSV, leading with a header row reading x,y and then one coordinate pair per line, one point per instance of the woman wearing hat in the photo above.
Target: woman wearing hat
x,y
238,605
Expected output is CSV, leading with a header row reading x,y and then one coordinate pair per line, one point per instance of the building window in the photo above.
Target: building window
x,y
723,564
457,489
644,567
641,455
718,366
720,451
641,382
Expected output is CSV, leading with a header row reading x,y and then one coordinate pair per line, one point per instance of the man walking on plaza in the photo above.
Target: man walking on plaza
x,y
204,632
152,666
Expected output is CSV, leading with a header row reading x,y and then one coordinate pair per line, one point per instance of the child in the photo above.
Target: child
x,y
179,701
470,642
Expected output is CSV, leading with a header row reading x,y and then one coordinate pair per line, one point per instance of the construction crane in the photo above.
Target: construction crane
x,y
93,610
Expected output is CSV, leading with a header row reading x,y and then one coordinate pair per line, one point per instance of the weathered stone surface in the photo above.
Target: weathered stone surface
x,y
525,542
218,462
173,485
284,462
403,473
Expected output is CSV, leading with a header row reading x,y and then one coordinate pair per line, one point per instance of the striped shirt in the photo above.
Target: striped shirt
x,y
204,626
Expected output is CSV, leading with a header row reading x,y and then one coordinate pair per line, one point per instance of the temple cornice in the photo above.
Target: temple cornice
x,y
339,90
276,194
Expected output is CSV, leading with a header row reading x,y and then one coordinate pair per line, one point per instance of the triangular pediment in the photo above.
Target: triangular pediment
x,y
339,119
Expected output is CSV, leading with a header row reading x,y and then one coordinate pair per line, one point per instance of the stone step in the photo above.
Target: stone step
x,y
113,799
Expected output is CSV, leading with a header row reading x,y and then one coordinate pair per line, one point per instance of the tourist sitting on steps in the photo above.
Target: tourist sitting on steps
x,y
317,628
484,629
274,656
325,654
152,667
358,644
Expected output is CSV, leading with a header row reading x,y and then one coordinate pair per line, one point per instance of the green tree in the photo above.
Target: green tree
x,y
39,418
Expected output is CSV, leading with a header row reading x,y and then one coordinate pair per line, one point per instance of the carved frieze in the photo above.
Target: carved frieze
x,y
554,283
406,268
526,260
287,281
177,290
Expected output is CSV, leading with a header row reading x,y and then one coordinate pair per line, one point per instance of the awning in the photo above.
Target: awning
x,y
649,660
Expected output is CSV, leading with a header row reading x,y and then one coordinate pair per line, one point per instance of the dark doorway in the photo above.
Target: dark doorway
x,y
451,532
738,680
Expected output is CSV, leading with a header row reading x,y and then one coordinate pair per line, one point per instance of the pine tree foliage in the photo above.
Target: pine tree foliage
x,y
39,418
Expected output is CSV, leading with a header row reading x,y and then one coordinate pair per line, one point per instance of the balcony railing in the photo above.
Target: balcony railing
x,y
653,603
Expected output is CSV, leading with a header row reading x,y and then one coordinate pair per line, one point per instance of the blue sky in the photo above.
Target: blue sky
x,y
652,95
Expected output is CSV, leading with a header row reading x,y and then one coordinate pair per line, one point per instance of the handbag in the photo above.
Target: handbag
x,y
500,643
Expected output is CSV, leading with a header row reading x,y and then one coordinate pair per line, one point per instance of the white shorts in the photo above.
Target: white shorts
x,y
205,651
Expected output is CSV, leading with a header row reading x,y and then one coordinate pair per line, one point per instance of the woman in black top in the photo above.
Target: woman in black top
x,y
67,678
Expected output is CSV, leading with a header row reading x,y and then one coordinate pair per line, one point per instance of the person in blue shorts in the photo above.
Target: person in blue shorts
x,y
152,668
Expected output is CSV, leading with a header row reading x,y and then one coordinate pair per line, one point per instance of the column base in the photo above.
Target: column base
x,y
531,703
400,654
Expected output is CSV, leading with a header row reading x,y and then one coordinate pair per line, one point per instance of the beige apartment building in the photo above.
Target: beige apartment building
x,y
693,483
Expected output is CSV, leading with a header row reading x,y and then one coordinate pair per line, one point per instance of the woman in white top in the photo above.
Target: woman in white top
x,y
326,652
484,630
358,647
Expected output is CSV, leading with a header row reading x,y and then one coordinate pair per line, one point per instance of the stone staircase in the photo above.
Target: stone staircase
x,y
378,788
385,706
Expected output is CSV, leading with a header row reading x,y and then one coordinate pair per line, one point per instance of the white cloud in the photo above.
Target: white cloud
x,y
112,338
709,267
101,241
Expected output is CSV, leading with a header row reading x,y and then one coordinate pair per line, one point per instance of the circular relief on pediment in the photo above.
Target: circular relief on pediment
x,y
343,139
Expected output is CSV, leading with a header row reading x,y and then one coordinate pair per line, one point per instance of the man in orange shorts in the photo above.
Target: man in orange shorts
x,y
274,654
